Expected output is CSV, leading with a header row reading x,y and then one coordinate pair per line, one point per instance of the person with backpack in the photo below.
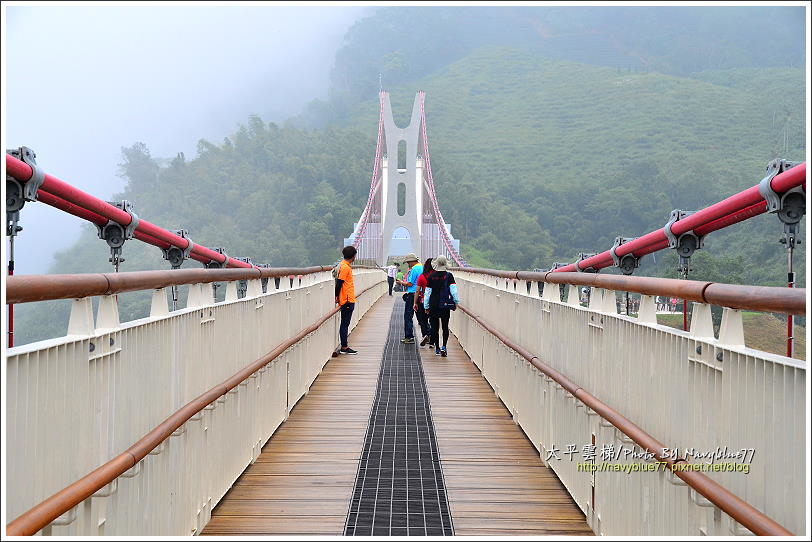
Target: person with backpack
x,y
345,295
439,300
422,317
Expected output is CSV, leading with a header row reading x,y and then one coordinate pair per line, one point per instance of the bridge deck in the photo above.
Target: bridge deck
x,y
496,482
303,481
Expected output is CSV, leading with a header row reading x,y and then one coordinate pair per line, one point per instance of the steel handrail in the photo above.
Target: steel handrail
x,y
757,298
29,288
744,513
41,515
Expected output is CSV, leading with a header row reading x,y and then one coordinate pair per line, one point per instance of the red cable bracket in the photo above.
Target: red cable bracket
x,y
686,244
28,191
176,255
581,257
214,264
628,262
17,193
790,207
775,201
116,233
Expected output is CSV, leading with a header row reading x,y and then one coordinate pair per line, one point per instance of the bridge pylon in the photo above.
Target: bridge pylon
x,y
402,194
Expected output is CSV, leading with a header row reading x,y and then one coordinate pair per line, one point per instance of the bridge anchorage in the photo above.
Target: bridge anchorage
x,y
550,416
402,196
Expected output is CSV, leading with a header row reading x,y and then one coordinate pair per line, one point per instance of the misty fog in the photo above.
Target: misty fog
x,y
83,81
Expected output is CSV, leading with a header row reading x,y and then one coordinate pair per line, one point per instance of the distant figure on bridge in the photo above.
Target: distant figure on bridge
x,y
410,283
345,296
422,317
398,278
440,299
585,295
391,274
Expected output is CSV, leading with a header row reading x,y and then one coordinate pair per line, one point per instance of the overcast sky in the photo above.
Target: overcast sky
x,y
83,81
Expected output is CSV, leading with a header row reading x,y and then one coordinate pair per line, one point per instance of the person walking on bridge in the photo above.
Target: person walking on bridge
x,y
345,296
439,300
410,283
422,317
391,273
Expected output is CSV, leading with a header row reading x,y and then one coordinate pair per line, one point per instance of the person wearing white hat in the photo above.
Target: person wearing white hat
x,y
440,299
410,282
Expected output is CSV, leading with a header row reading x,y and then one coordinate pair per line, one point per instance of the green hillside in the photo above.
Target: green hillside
x,y
406,43
579,154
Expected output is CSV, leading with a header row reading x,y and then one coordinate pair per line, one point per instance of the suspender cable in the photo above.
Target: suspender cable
x,y
432,193
790,318
376,177
11,306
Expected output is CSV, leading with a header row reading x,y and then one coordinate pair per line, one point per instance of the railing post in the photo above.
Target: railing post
x,y
159,306
551,292
595,299
609,302
731,332
107,317
572,296
231,291
254,288
648,310
81,317
195,296
701,322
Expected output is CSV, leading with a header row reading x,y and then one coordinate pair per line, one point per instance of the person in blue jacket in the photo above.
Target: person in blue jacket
x,y
436,303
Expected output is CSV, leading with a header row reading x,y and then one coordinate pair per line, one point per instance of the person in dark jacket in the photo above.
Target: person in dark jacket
x,y
422,317
435,284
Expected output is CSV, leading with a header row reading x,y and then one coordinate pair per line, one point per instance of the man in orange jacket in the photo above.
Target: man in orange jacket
x,y
345,296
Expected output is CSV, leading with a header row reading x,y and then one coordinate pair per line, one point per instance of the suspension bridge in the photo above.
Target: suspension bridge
x,y
551,416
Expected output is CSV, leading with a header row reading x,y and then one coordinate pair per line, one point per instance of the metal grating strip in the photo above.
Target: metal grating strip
x,y
399,489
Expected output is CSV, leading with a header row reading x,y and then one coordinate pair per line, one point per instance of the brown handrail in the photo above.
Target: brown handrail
x,y
57,504
28,288
757,298
742,512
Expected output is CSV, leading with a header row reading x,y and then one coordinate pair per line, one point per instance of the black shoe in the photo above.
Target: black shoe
x,y
407,340
443,352
347,350
426,339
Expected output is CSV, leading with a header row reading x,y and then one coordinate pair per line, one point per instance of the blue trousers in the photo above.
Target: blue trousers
x,y
408,314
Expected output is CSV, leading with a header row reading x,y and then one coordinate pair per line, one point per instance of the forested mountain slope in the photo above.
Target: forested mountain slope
x,y
537,160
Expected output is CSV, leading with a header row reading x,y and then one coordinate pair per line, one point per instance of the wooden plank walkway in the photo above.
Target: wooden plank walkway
x,y
495,479
303,481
